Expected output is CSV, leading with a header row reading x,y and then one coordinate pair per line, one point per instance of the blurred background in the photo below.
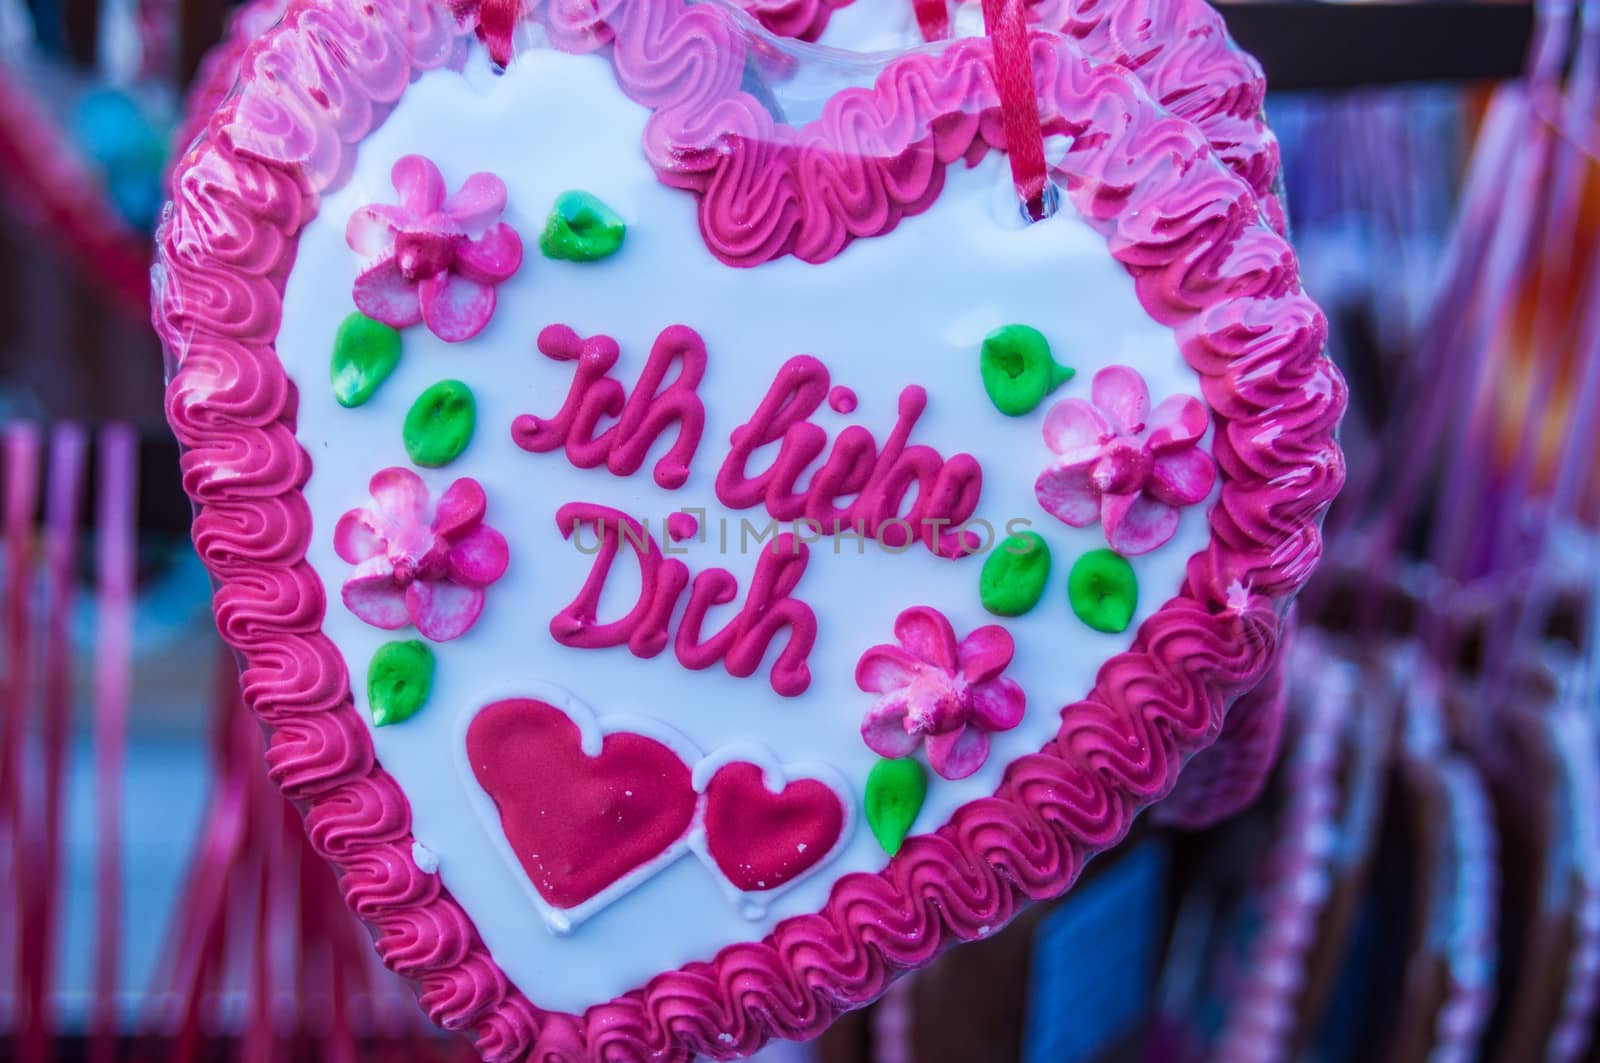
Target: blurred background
x,y
1415,869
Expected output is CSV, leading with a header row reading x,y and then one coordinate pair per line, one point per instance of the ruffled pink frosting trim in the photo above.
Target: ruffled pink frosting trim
x,y
1179,50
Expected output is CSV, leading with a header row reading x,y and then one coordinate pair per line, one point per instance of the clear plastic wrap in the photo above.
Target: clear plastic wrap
x,y
697,549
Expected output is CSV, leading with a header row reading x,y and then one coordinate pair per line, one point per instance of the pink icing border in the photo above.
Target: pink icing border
x,y
1179,50
1227,778
1198,74
219,69
802,20
1185,228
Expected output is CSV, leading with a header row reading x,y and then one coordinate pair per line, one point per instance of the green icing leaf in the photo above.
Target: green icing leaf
x,y
1015,574
895,791
365,352
1018,370
1103,590
399,680
581,228
440,423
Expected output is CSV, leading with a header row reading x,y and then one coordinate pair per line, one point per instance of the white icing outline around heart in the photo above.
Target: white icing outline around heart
x,y
753,904
592,731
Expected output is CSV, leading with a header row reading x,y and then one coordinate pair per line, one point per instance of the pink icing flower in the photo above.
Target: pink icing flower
x,y
432,258
935,689
413,566
1123,464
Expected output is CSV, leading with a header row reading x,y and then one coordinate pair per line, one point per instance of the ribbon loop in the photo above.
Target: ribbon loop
x,y
1007,29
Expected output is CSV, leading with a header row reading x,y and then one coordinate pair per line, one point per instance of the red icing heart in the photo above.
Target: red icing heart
x,y
577,823
760,839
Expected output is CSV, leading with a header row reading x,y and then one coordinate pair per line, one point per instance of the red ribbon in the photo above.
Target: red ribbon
x,y
1007,27
497,19
933,18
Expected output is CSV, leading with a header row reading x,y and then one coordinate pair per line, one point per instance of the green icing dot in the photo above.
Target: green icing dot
x,y
398,681
440,424
1103,590
1017,369
581,229
895,789
365,352
1014,576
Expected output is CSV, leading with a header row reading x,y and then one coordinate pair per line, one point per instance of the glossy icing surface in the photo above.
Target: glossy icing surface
x,y
928,331
1201,263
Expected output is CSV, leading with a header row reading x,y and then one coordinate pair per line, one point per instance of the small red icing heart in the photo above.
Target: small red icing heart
x,y
577,823
760,839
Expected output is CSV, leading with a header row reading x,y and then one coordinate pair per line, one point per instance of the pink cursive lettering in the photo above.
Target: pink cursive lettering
x,y
741,644
858,486
641,417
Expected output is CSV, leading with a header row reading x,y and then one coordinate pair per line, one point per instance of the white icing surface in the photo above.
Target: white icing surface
x,y
908,307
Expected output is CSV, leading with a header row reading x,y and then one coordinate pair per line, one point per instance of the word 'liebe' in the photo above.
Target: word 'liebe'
x,y
859,486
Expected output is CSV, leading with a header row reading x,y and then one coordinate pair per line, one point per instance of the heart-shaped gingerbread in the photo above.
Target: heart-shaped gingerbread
x,y
633,376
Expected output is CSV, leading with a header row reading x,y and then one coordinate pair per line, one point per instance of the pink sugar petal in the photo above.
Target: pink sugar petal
x,y
1082,458
1182,477
928,636
394,215
1073,425
480,558
1176,423
998,705
1121,395
883,728
1068,493
402,500
356,537
1136,523
455,308
958,754
885,668
370,232
373,596
985,653
383,294
419,183
492,257
443,610
479,203
461,509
